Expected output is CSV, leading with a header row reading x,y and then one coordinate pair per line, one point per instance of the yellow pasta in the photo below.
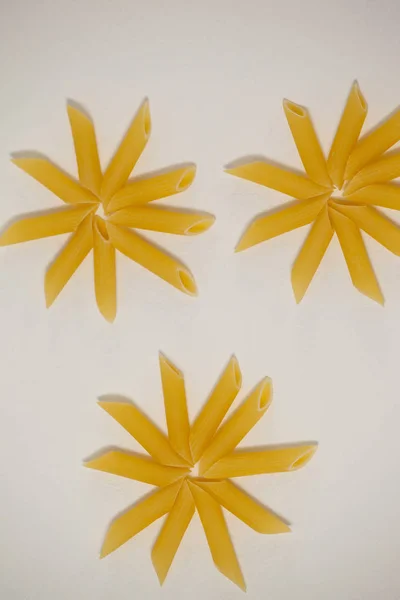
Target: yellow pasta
x,y
140,468
280,179
175,408
284,220
244,507
386,195
140,516
147,189
218,538
164,220
355,254
238,425
347,133
152,258
87,155
243,463
172,532
384,169
374,144
56,222
215,409
128,153
105,278
307,143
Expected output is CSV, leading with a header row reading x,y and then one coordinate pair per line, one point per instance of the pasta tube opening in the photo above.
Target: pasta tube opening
x,y
265,395
187,179
303,459
188,283
200,226
101,227
298,110
146,120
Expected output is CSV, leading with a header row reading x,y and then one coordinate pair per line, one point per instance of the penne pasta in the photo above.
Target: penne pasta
x,y
55,180
215,409
355,254
152,258
243,463
144,432
287,219
128,153
238,425
140,516
175,408
311,254
374,144
139,468
172,532
218,538
280,179
105,277
165,220
153,187
49,224
347,134
386,195
87,156
244,507
384,169
307,143
66,263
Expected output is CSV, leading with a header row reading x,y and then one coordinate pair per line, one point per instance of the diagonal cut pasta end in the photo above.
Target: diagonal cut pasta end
x,y
304,458
186,178
265,394
292,107
187,282
201,225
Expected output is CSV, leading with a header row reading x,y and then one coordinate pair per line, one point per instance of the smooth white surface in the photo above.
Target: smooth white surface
x,y
215,73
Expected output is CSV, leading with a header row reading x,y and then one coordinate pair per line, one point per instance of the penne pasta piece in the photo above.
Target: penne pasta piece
x,y
165,220
172,532
386,195
217,534
175,408
140,516
374,144
68,260
238,425
311,254
51,223
55,180
152,258
287,219
128,153
87,155
105,279
144,431
215,409
384,169
243,463
280,179
307,143
370,220
244,507
153,187
140,468
347,134
355,254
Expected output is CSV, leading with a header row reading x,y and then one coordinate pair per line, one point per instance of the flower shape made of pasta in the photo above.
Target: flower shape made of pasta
x,y
124,204
213,446
358,169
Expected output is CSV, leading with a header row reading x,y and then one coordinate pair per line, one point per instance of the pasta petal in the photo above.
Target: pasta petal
x,y
153,187
386,195
384,169
55,180
311,254
164,220
172,532
66,263
217,534
87,156
152,258
244,507
355,254
105,281
282,221
128,153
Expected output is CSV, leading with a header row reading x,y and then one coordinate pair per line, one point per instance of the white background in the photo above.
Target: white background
x,y
215,73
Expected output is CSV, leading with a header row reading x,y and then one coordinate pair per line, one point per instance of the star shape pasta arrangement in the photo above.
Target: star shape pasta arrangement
x,y
123,204
211,444
358,169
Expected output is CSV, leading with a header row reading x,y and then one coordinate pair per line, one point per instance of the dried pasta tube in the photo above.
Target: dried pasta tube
x,y
87,156
165,220
386,195
384,169
105,279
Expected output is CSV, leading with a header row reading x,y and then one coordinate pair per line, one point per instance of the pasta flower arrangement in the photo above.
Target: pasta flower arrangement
x,y
121,204
357,169
180,493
